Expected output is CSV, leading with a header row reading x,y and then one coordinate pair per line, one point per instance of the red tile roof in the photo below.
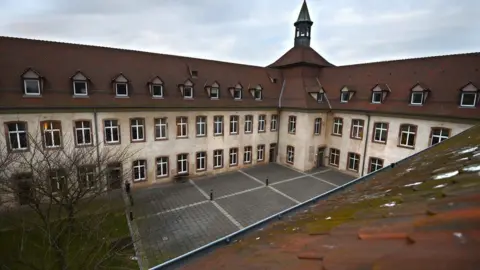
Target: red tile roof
x,y
381,223
301,55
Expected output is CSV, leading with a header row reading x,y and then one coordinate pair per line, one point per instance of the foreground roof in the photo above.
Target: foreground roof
x,y
300,55
422,214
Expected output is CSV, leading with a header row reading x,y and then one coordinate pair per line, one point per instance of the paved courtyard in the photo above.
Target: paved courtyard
x,y
176,218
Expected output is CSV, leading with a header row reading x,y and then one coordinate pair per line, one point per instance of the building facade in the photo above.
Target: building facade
x,y
196,117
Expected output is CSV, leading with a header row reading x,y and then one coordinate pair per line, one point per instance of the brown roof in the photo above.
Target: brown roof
x,y
400,218
301,55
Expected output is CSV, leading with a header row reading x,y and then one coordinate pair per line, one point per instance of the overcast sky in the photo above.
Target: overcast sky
x,y
253,32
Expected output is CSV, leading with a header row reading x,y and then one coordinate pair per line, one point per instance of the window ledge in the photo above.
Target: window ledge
x,y
122,97
467,107
80,96
406,147
157,97
32,96
338,135
379,142
415,105
201,136
161,176
161,139
182,137
355,138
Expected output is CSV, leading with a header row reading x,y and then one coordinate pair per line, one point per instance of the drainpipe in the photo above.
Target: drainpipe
x,y
278,120
97,145
366,144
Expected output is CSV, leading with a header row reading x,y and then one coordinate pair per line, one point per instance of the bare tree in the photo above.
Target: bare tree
x,y
62,207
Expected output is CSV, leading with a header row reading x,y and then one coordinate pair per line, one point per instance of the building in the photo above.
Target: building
x,y
196,117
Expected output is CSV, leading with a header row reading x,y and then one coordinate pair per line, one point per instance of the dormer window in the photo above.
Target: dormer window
x,y
121,86
419,94
379,93
32,83
156,87
318,96
213,91
186,89
80,85
417,98
346,94
257,92
236,92
469,96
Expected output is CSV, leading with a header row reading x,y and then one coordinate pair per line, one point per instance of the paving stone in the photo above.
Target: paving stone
x,y
272,171
225,184
304,188
335,177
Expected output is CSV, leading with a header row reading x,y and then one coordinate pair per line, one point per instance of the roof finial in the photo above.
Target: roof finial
x,y
304,15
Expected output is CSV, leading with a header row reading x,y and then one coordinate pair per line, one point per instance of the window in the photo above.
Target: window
x,y
112,134
337,126
292,124
377,97
182,127
334,159
357,129
217,159
248,123
162,166
416,98
353,162
260,152
32,87
52,134
137,129
233,156
86,177
188,92
139,170
57,181
201,126
375,164
438,135
233,124
317,124
83,133
290,154
247,154
273,122
214,93
217,125
407,135
161,130
201,161
468,99
17,136
157,90
258,94
237,93
80,88
380,132
182,163
320,97
121,89
261,123
344,97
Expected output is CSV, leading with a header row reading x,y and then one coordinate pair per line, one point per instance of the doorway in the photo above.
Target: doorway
x,y
320,155
272,152
114,176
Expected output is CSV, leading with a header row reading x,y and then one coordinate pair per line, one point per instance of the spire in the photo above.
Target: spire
x,y
303,27
304,16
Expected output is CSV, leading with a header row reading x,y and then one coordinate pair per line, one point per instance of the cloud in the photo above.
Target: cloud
x,y
250,31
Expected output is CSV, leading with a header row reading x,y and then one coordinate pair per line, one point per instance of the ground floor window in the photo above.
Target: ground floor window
x,y
290,154
182,163
162,166
261,152
201,161
217,158
353,161
247,154
375,164
233,156
139,170
334,159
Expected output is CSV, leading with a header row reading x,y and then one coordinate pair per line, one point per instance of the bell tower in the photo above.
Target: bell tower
x,y
303,27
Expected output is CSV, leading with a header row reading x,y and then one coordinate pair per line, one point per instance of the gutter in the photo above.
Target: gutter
x,y
227,239
366,144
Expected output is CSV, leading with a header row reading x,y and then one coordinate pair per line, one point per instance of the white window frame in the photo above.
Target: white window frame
x,y
218,125
140,165
353,159
261,123
201,126
152,88
191,92
182,122
201,161
233,153
337,126
273,122
441,136
474,100
316,126
126,89
50,130
75,93
237,90
248,123
87,172
377,93
334,152
57,176
247,154
357,128
378,164
234,119
161,128
260,152
214,90
37,81
18,133
111,127
417,93
182,160
290,154
161,162
343,95
257,93
137,124
407,133
292,124
380,126
217,158
85,131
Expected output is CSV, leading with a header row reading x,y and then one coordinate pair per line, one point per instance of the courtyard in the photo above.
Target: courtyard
x,y
176,218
